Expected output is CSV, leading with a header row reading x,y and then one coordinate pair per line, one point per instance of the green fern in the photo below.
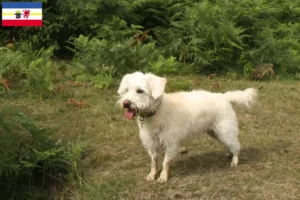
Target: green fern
x,y
27,152
211,35
164,66
11,61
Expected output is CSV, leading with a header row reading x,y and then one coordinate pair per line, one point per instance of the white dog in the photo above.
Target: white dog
x,y
169,119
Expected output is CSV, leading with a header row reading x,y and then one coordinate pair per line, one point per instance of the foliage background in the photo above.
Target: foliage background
x,y
190,36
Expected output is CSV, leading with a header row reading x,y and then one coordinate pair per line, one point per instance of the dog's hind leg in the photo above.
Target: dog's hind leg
x,y
212,134
234,148
228,135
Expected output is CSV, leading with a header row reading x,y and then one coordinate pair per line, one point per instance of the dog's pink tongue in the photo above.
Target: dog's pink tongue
x,y
129,114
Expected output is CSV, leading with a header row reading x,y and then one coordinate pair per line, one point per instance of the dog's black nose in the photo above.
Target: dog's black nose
x,y
126,104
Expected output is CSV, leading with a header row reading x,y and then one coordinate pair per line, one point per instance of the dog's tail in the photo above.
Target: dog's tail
x,y
245,98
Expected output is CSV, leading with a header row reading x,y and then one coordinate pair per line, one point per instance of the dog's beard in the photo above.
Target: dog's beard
x,y
137,108
143,109
132,111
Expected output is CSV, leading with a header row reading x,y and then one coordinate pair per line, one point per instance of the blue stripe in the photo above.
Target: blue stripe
x,y
22,5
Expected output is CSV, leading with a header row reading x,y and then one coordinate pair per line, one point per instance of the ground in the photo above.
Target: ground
x,y
115,165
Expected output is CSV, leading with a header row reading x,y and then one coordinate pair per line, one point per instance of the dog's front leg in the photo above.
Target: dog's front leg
x,y
150,144
153,171
171,152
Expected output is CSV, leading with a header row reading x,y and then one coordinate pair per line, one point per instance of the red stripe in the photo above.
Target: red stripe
x,y
22,22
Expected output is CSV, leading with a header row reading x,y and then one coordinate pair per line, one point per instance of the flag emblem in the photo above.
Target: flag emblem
x,y
22,14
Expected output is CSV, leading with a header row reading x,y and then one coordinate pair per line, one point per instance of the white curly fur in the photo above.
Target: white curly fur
x,y
180,116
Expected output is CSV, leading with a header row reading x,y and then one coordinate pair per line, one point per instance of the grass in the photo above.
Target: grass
x,y
116,164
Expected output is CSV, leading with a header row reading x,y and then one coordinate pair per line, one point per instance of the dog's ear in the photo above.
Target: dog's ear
x,y
121,87
120,90
156,84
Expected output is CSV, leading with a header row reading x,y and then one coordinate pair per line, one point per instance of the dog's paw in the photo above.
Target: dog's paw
x,y
150,177
234,162
183,150
163,178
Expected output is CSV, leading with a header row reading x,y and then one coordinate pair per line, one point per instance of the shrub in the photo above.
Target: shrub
x,y
30,158
165,66
35,69
11,62
100,61
207,36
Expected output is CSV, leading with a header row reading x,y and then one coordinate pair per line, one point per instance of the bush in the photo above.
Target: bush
x,y
165,66
97,55
30,159
34,69
105,39
99,60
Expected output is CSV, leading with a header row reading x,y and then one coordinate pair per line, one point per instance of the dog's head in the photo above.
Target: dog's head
x,y
139,93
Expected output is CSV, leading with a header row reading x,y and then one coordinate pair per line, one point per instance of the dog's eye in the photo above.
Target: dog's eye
x,y
140,91
126,90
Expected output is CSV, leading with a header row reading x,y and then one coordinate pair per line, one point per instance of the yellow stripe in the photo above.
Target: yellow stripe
x,y
13,14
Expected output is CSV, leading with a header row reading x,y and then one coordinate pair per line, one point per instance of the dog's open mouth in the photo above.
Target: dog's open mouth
x,y
130,113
